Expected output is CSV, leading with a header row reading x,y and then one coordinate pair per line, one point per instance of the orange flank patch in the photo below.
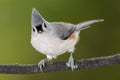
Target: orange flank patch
x,y
72,36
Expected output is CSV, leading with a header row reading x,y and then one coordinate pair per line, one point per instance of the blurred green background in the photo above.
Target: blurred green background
x,y
102,39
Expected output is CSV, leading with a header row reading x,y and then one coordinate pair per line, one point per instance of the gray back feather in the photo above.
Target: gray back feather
x,y
62,30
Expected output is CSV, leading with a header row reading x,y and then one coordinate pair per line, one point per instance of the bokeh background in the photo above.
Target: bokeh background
x,y
101,39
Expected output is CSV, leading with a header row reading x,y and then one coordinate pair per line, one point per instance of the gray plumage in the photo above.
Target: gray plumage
x,y
61,29
36,18
64,30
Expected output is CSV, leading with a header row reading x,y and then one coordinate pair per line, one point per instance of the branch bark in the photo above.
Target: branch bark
x,y
59,66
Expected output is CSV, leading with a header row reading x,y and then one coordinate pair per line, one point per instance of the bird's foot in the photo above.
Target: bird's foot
x,y
70,63
41,64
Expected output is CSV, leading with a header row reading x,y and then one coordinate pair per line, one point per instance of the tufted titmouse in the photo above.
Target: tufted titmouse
x,y
55,38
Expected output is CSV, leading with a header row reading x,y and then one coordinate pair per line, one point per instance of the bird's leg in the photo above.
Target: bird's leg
x,y
70,62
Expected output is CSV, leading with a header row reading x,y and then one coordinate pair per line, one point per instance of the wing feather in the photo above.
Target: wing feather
x,y
63,30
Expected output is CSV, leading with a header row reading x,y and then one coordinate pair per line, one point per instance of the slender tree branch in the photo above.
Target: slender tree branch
x,y
59,66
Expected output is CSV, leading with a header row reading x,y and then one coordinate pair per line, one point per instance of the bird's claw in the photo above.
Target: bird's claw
x,y
41,64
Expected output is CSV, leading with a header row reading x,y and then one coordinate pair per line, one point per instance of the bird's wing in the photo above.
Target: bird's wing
x,y
63,30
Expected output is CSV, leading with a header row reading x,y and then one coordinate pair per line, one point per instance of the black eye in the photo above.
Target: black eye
x,y
45,25
33,30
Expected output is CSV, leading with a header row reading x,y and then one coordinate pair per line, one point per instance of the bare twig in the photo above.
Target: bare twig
x,y
59,66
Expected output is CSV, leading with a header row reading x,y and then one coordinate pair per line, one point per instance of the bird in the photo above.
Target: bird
x,y
56,38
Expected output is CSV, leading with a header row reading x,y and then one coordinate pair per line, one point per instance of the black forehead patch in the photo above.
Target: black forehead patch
x,y
39,28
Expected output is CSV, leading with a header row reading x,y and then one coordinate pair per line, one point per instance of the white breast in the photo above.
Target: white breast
x,y
49,45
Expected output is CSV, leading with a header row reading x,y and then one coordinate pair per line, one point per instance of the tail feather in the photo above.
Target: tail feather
x,y
87,24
